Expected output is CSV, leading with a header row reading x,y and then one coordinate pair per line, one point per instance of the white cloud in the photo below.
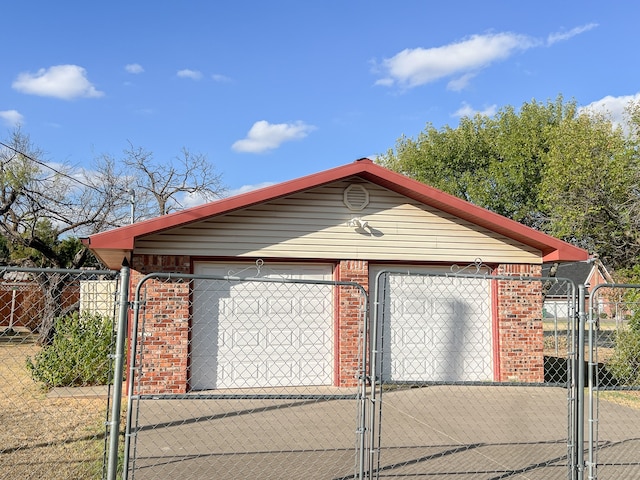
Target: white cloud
x,y
220,78
467,111
561,36
460,60
134,68
60,81
11,118
419,66
248,188
264,136
192,74
460,83
189,200
612,107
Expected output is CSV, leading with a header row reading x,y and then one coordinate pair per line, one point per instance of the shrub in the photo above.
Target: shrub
x,y
78,355
624,365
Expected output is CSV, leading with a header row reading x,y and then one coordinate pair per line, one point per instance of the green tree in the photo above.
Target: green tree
x,y
572,174
589,189
495,162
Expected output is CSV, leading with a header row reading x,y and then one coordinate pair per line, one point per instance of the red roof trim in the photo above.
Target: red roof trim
x,y
123,238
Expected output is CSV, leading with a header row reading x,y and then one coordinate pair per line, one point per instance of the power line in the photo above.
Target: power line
x,y
29,157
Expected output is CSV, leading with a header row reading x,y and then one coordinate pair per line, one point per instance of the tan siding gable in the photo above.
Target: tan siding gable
x,y
315,224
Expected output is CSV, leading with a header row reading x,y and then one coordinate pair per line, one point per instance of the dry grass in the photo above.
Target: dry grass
x,y
558,346
625,398
44,437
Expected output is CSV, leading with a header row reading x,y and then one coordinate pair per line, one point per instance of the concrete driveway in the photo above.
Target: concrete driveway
x,y
450,432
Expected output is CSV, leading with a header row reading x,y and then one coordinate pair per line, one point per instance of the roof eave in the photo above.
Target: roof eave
x,y
122,240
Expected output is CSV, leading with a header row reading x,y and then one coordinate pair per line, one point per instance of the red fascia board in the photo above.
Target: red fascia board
x,y
551,248
124,237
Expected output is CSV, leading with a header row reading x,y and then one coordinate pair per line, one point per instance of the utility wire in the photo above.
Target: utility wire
x,y
49,167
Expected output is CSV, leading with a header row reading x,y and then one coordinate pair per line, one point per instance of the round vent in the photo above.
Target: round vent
x,y
356,197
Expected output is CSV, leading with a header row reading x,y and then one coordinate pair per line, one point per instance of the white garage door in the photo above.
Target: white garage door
x,y
255,334
435,328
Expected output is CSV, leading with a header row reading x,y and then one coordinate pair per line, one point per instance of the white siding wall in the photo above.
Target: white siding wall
x,y
314,224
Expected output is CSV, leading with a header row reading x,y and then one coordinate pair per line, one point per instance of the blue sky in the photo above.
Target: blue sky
x,y
271,91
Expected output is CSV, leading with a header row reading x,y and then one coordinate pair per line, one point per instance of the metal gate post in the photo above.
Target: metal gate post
x,y
580,373
118,374
362,387
373,377
592,371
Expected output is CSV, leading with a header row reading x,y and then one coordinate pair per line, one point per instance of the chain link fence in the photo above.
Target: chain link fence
x,y
241,377
443,375
56,336
613,355
466,386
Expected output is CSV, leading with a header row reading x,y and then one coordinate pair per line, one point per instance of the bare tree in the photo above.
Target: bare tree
x,y
71,202
43,205
162,186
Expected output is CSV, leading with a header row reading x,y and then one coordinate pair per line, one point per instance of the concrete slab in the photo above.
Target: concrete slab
x,y
93,391
452,432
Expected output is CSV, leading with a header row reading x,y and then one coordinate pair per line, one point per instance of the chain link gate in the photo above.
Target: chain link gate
x,y
467,384
613,352
56,340
246,375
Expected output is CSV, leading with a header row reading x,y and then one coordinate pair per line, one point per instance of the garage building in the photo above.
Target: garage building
x,y
345,224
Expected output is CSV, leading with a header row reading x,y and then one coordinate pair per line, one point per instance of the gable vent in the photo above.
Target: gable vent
x,y
356,197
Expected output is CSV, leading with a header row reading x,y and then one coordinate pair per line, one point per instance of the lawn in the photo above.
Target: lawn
x,y
42,437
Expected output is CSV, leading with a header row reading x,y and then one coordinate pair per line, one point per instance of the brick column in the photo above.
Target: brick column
x,y
164,318
350,322
519,325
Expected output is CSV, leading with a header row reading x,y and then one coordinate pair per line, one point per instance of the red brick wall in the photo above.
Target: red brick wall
x,y
164,321
350,322
166,324
519,322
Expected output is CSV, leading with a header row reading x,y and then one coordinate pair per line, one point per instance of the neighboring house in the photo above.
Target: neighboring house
x,y
22,301
590,273
19,299
346,224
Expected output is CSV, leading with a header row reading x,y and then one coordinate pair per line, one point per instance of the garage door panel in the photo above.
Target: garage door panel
x,y
263,333
445,307
281,338
315,305
242,338
435,328
412,368
415,306
283,371
415,338
314,339
207,371
280,306
205,336
317,371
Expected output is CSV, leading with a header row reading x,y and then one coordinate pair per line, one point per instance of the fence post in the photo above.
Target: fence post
x,y
593,386
116,401
579,358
